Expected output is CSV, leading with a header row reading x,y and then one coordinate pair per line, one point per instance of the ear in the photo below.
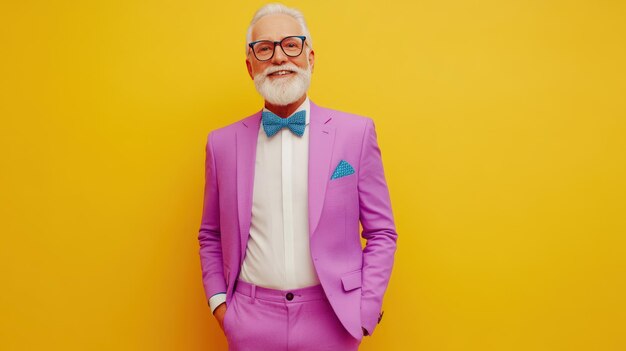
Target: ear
x,y
312,60
249,66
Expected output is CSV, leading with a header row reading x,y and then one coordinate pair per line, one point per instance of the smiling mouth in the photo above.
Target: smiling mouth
x,y
280,73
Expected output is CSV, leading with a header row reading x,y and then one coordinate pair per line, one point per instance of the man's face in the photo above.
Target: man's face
x,y
280,89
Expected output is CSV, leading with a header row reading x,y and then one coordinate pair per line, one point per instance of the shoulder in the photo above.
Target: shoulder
x,y
344,119
228,131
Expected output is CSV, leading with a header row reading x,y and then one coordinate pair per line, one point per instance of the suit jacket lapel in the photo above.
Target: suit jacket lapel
x,y
247,137
321,140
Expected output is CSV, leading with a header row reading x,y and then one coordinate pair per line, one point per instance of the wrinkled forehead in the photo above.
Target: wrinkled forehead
x,y
275,27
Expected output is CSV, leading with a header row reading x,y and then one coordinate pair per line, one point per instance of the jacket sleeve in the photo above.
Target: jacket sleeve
x,y
209,235
376,218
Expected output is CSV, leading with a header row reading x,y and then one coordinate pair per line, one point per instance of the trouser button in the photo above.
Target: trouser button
x,y
289,296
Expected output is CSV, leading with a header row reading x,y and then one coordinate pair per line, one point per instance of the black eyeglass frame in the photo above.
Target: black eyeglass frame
x,y
279,43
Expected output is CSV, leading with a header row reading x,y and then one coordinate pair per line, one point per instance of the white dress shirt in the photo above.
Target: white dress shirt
x,y
277,253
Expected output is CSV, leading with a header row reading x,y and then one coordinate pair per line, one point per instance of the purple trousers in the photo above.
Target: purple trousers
x,y
262,319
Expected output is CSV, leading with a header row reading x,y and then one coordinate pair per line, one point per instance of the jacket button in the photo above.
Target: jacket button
x,y
289,296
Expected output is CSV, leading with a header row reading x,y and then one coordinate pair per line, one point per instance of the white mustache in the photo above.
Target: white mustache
x,y
285,67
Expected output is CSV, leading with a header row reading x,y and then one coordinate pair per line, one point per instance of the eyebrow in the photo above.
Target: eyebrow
x,y
290,35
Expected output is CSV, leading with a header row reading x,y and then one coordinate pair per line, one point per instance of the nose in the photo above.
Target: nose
x,y
279,56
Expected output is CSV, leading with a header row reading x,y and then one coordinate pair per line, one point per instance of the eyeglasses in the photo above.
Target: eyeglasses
x,y
264,49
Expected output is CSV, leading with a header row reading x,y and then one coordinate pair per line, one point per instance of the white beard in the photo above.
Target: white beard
x,y
283,91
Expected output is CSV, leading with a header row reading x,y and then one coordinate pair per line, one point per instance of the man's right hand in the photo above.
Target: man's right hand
x,y
219,313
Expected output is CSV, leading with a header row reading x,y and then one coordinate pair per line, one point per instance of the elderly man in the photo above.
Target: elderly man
x,y
282,263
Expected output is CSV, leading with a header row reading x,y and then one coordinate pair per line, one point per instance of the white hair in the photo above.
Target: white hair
x,y
275,8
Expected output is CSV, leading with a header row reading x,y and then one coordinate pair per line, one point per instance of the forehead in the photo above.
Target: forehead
x,y
275,27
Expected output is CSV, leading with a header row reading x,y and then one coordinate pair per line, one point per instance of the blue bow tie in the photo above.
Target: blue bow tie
x,y
272,123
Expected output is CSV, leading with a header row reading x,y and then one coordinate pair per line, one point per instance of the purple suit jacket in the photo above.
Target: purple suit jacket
x,y
354,278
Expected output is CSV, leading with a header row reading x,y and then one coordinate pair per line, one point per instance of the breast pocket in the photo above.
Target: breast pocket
x,y
345,181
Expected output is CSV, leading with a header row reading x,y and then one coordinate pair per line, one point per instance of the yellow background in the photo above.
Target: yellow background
x,y
501,125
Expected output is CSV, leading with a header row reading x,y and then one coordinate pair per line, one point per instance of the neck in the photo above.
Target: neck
x,y
286,110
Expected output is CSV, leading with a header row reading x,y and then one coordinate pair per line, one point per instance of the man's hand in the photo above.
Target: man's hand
x,y
219,313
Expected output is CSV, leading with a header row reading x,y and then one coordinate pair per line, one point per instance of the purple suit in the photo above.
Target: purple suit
x,y
354,278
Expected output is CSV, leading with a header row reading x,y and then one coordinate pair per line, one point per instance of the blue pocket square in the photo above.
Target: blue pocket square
x,y
343,169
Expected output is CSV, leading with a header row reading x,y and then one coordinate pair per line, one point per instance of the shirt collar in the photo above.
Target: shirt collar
x,y
306,106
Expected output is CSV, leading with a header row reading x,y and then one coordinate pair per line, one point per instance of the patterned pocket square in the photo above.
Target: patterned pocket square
x,y
343,169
